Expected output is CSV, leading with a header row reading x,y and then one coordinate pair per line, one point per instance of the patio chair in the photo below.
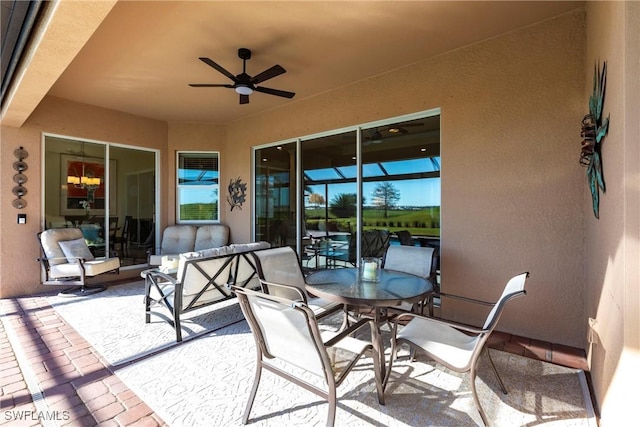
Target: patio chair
x,y
414,260
404,237
374,244
281,275
67,260
123,239
287,331
454,345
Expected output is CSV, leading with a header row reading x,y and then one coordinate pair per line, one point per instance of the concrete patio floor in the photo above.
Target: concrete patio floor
x,y
51,375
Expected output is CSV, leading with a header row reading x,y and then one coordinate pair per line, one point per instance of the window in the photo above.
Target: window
x,y
198,187
380,176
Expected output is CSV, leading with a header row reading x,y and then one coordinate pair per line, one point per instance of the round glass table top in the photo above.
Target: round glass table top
x,y
344,285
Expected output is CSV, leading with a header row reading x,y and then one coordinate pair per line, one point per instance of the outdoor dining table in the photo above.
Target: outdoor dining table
x,y
344,285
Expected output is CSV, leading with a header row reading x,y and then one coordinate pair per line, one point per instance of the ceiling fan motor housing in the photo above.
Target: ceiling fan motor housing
x,y
244,53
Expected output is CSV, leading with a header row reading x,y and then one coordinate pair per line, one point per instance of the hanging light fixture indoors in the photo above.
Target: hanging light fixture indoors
x,y
86,180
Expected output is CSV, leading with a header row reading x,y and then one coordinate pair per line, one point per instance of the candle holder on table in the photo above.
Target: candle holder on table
x,y
370,269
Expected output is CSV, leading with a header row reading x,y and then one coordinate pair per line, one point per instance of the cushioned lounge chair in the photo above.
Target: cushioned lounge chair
x,y
67,261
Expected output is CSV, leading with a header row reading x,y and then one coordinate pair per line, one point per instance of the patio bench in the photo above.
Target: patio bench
x,y
203,278
177,239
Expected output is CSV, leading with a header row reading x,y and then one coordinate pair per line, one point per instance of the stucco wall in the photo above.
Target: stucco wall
x,y
613,257
512,187
19,271
192,137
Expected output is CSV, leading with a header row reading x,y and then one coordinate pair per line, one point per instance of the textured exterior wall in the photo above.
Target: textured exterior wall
x,y
512,188
19,271
191,137
612,260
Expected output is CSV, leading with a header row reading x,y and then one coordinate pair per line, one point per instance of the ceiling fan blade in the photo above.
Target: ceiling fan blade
x,y
272,72
217,67
275,92
244,99
209,85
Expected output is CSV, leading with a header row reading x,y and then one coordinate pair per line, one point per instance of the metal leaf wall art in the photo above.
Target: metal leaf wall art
x,y
593,131
237,193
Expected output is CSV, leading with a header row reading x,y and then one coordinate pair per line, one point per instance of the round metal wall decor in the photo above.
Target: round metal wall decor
x,y
19,203
20,153
20,166
19,191
20,178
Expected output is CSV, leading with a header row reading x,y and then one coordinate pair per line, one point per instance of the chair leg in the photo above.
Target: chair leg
x,y
331,398
176,323
254,390
345,321
378,376
147,300
495,371
391,359
475,395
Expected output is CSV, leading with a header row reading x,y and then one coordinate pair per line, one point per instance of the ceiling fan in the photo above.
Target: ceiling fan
x,y
243,83
401,128
378,134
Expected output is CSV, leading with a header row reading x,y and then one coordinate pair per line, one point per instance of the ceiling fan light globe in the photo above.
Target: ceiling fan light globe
x,y
244,90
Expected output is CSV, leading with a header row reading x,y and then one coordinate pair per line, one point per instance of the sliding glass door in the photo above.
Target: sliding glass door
x,y
275,187
107,190
378,179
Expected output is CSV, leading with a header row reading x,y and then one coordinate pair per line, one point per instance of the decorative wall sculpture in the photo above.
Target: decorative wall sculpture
x,y
20,166
593,131
237,193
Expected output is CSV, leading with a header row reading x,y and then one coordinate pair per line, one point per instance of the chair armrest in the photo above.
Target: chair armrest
x,y
288,288
456,325
466,299
45,259
165,277
77,260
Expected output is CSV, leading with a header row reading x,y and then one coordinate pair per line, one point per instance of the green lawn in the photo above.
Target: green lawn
x,y
419,222
199,212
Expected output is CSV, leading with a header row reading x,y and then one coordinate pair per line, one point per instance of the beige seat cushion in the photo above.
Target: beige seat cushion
x,y
50,240
211,236
74,249
177,239
92,268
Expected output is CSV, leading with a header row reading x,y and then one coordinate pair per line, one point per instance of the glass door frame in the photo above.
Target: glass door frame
x,y
299,197
107,178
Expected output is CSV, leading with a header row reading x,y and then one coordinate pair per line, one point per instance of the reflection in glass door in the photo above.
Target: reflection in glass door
x,y
401,180
134,234
330,200
82,178
387,191
275,200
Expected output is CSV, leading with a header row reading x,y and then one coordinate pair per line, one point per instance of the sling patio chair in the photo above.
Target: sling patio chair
x,y
281,275
287,331
454,345
414,260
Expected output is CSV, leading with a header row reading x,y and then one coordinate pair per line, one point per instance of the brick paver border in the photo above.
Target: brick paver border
x,y
51,376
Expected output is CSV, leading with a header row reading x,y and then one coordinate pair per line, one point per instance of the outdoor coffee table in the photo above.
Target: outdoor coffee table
x,y
343,285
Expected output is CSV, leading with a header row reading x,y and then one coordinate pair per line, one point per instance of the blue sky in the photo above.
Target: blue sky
x,y
417,192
